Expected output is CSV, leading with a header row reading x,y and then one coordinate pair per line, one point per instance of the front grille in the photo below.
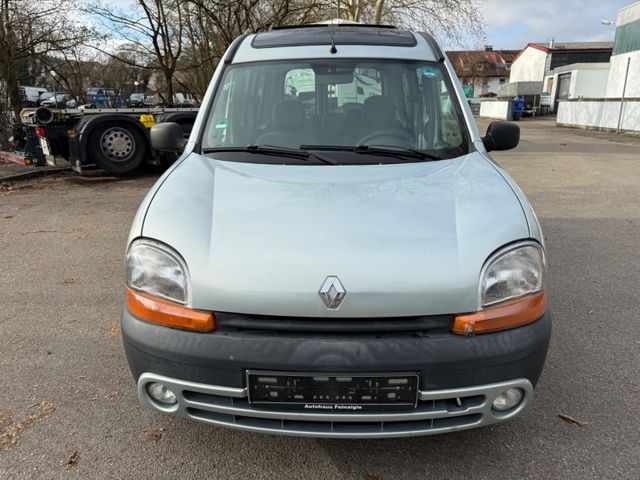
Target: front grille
x,y
436,412
420,325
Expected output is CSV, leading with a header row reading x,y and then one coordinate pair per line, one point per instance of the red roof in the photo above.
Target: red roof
x,y
482,63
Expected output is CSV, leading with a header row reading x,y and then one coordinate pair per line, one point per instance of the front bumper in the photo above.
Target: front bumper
x,y
459,376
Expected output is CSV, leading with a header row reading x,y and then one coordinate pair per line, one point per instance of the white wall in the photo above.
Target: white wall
x,y
628,14
498,109
585,82
485,85
588,83
529,66
617,72
618,69
600,115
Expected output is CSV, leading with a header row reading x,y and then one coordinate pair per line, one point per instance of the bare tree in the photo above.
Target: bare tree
x,y
211,26
185,39
29,31
75,69
446,18
153,32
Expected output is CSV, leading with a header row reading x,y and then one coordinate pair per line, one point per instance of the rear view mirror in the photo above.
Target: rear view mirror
x,y
501,136
168,137
334,79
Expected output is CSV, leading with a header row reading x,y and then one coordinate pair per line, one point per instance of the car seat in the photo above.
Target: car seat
x,y
289,119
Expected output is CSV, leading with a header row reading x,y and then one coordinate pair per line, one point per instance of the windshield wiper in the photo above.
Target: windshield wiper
x,y
393,150
398,152
271,150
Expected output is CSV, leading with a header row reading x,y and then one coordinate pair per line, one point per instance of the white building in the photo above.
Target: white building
x,y
618,108
626,50
578,80
537,60
562,69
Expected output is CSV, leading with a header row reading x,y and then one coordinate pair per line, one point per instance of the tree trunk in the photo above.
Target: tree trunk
x,y
168,78
8,45
378,15
12,89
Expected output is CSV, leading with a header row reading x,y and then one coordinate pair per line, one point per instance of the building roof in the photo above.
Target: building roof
x,y
582,66
568,47
482,63
553,46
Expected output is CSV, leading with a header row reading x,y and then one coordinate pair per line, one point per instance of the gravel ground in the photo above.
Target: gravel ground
x,y
68,407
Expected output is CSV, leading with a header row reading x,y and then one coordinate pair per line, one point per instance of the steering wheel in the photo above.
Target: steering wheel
x,y
400,135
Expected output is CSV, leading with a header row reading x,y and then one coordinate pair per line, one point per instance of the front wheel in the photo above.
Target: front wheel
x,y
117,147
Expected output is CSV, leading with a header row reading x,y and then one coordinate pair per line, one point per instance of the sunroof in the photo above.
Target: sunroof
x,y
342,35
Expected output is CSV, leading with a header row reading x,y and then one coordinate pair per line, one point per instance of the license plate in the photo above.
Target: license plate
x,y
332,392
44,145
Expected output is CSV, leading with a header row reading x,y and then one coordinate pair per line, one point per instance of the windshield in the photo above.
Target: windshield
x,y
330,103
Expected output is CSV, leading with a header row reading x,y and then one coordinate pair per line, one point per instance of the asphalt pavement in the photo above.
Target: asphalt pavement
x,y
68,406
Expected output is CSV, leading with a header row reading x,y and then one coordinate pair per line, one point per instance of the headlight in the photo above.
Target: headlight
x,y
511,291
156,269
513,272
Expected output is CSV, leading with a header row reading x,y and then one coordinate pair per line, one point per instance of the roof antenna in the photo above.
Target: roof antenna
x,y
333,48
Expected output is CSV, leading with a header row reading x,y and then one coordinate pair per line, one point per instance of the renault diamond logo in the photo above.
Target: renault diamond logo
x,y
332,292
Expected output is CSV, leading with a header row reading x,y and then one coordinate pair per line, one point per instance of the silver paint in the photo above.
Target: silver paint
x,y
408,239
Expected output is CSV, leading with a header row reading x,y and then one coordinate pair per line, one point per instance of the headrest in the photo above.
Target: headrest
x,y
288,115
379,111
332,123
352,113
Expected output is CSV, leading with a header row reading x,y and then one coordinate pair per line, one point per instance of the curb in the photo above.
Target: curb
x,y
34,174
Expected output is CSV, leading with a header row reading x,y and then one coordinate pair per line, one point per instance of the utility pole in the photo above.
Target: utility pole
x,y
624,91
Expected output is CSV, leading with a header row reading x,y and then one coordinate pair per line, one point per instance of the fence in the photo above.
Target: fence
x,y
498,109
609,114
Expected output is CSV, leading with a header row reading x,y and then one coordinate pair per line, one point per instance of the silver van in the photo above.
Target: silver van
x,y
335,254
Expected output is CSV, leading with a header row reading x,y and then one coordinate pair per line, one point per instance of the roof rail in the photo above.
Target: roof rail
x,y
434,46
336,25
233,48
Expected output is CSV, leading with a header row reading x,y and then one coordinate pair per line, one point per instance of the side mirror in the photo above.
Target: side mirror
x,y
168,137
500,136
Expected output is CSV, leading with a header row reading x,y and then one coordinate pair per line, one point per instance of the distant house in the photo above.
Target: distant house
x,y
536,61
481,72
558,70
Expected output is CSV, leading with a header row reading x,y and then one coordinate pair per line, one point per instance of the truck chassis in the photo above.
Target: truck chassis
x,y
115,140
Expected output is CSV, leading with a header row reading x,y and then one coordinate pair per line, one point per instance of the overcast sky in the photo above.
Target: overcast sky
x,y
514,23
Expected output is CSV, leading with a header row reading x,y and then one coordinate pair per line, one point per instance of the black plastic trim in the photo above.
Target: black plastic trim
x,y
234,48
444,360
340,36
334,25
419,325
434,46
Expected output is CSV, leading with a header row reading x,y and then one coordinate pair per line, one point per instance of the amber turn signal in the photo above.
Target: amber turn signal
x,y
501,317
164,312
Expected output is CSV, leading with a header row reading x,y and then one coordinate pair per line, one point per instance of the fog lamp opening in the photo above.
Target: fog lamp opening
x,y
161,394
508,399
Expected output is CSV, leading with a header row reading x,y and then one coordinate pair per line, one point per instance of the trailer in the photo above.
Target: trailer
x,y
115,140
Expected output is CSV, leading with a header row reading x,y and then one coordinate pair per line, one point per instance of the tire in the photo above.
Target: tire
x,y
117,147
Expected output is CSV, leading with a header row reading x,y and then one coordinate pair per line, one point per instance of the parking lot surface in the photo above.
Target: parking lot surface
x,y
68,406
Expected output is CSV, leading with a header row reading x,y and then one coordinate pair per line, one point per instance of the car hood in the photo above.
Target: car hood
x,y
404,239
